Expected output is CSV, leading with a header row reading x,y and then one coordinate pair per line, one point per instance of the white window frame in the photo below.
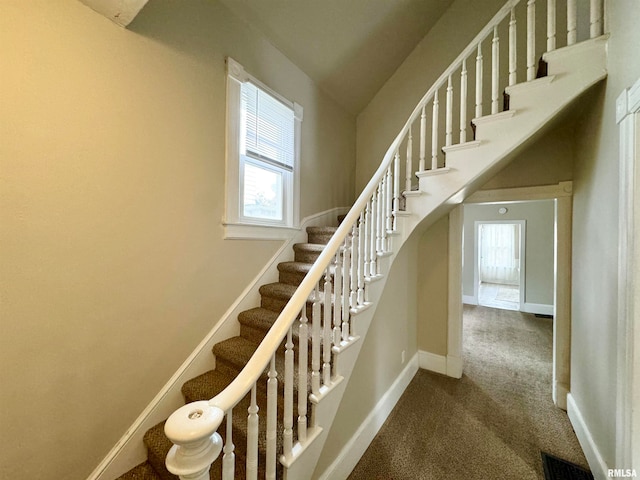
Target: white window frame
x,y
236,225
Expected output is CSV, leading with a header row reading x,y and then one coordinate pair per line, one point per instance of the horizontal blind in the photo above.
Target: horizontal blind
x,y
268,126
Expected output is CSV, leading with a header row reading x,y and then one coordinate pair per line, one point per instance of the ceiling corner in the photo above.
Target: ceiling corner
x,y
121,12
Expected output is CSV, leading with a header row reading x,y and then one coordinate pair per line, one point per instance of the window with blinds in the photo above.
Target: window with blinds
x,y
267,149
268,127
263,158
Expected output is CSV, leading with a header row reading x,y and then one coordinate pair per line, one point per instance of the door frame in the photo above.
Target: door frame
x,y
628,328
476,262
562,194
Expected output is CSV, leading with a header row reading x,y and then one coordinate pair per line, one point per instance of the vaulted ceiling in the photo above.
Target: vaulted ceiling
x,y
348,47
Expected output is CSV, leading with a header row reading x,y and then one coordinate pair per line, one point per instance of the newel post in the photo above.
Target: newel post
x,y
192,429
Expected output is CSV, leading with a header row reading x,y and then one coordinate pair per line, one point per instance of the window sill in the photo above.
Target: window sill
x,y
248,231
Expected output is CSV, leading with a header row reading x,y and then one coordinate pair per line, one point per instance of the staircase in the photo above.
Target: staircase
x,y
267,407
231,356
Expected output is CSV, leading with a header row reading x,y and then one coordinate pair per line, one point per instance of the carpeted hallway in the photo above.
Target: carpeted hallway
x,y
492,423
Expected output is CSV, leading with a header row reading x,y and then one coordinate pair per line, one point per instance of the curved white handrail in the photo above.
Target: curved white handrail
x,y
263,355
259,361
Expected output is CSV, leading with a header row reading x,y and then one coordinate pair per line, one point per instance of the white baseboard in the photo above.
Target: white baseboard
x,y
539,308
560,394
597,464
454,366
344,464
432,362
469,300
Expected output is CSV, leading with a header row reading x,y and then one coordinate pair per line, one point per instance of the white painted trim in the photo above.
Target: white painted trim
x,y
469,300
543,192
432,362
562,194
462,146
496,117
129,450
455,366
561,392
596,463
246,231
344,464
234,165
539,308
121,13
628,337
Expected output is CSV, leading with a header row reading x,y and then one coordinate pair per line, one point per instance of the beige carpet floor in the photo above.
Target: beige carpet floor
x,y
490,424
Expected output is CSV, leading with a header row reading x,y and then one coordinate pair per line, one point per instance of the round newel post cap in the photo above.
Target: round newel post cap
x,y
192,429
193,422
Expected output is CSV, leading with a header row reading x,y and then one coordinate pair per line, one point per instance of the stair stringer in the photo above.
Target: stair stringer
x,y
571,71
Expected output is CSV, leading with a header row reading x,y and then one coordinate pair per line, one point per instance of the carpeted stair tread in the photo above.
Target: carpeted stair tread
x,y
205,386
234,353
274,296
320,234
298,267
255,323
144,471
231,357
307,252
293,272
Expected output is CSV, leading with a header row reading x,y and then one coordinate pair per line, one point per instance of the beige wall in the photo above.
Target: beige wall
x,y
595,235
112,262
433,287
392,331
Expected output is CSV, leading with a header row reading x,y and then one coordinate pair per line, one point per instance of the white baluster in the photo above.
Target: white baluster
x,y
252,437
345,301
373,263
449,119
495,71
572,22
315,342
287,419
531,40
396,191
367,241
337,295
434,132
326,344
388,207
595,18
463,102
551,25
353,268
303,365
409,163
379,218
479,74
423,139
358,253
229,457
272,420
513,52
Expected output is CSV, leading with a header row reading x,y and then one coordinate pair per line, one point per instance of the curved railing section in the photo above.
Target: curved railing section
x,y
336,287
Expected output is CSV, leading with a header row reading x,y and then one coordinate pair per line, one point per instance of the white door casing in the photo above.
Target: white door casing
x,y
628,341
563,196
